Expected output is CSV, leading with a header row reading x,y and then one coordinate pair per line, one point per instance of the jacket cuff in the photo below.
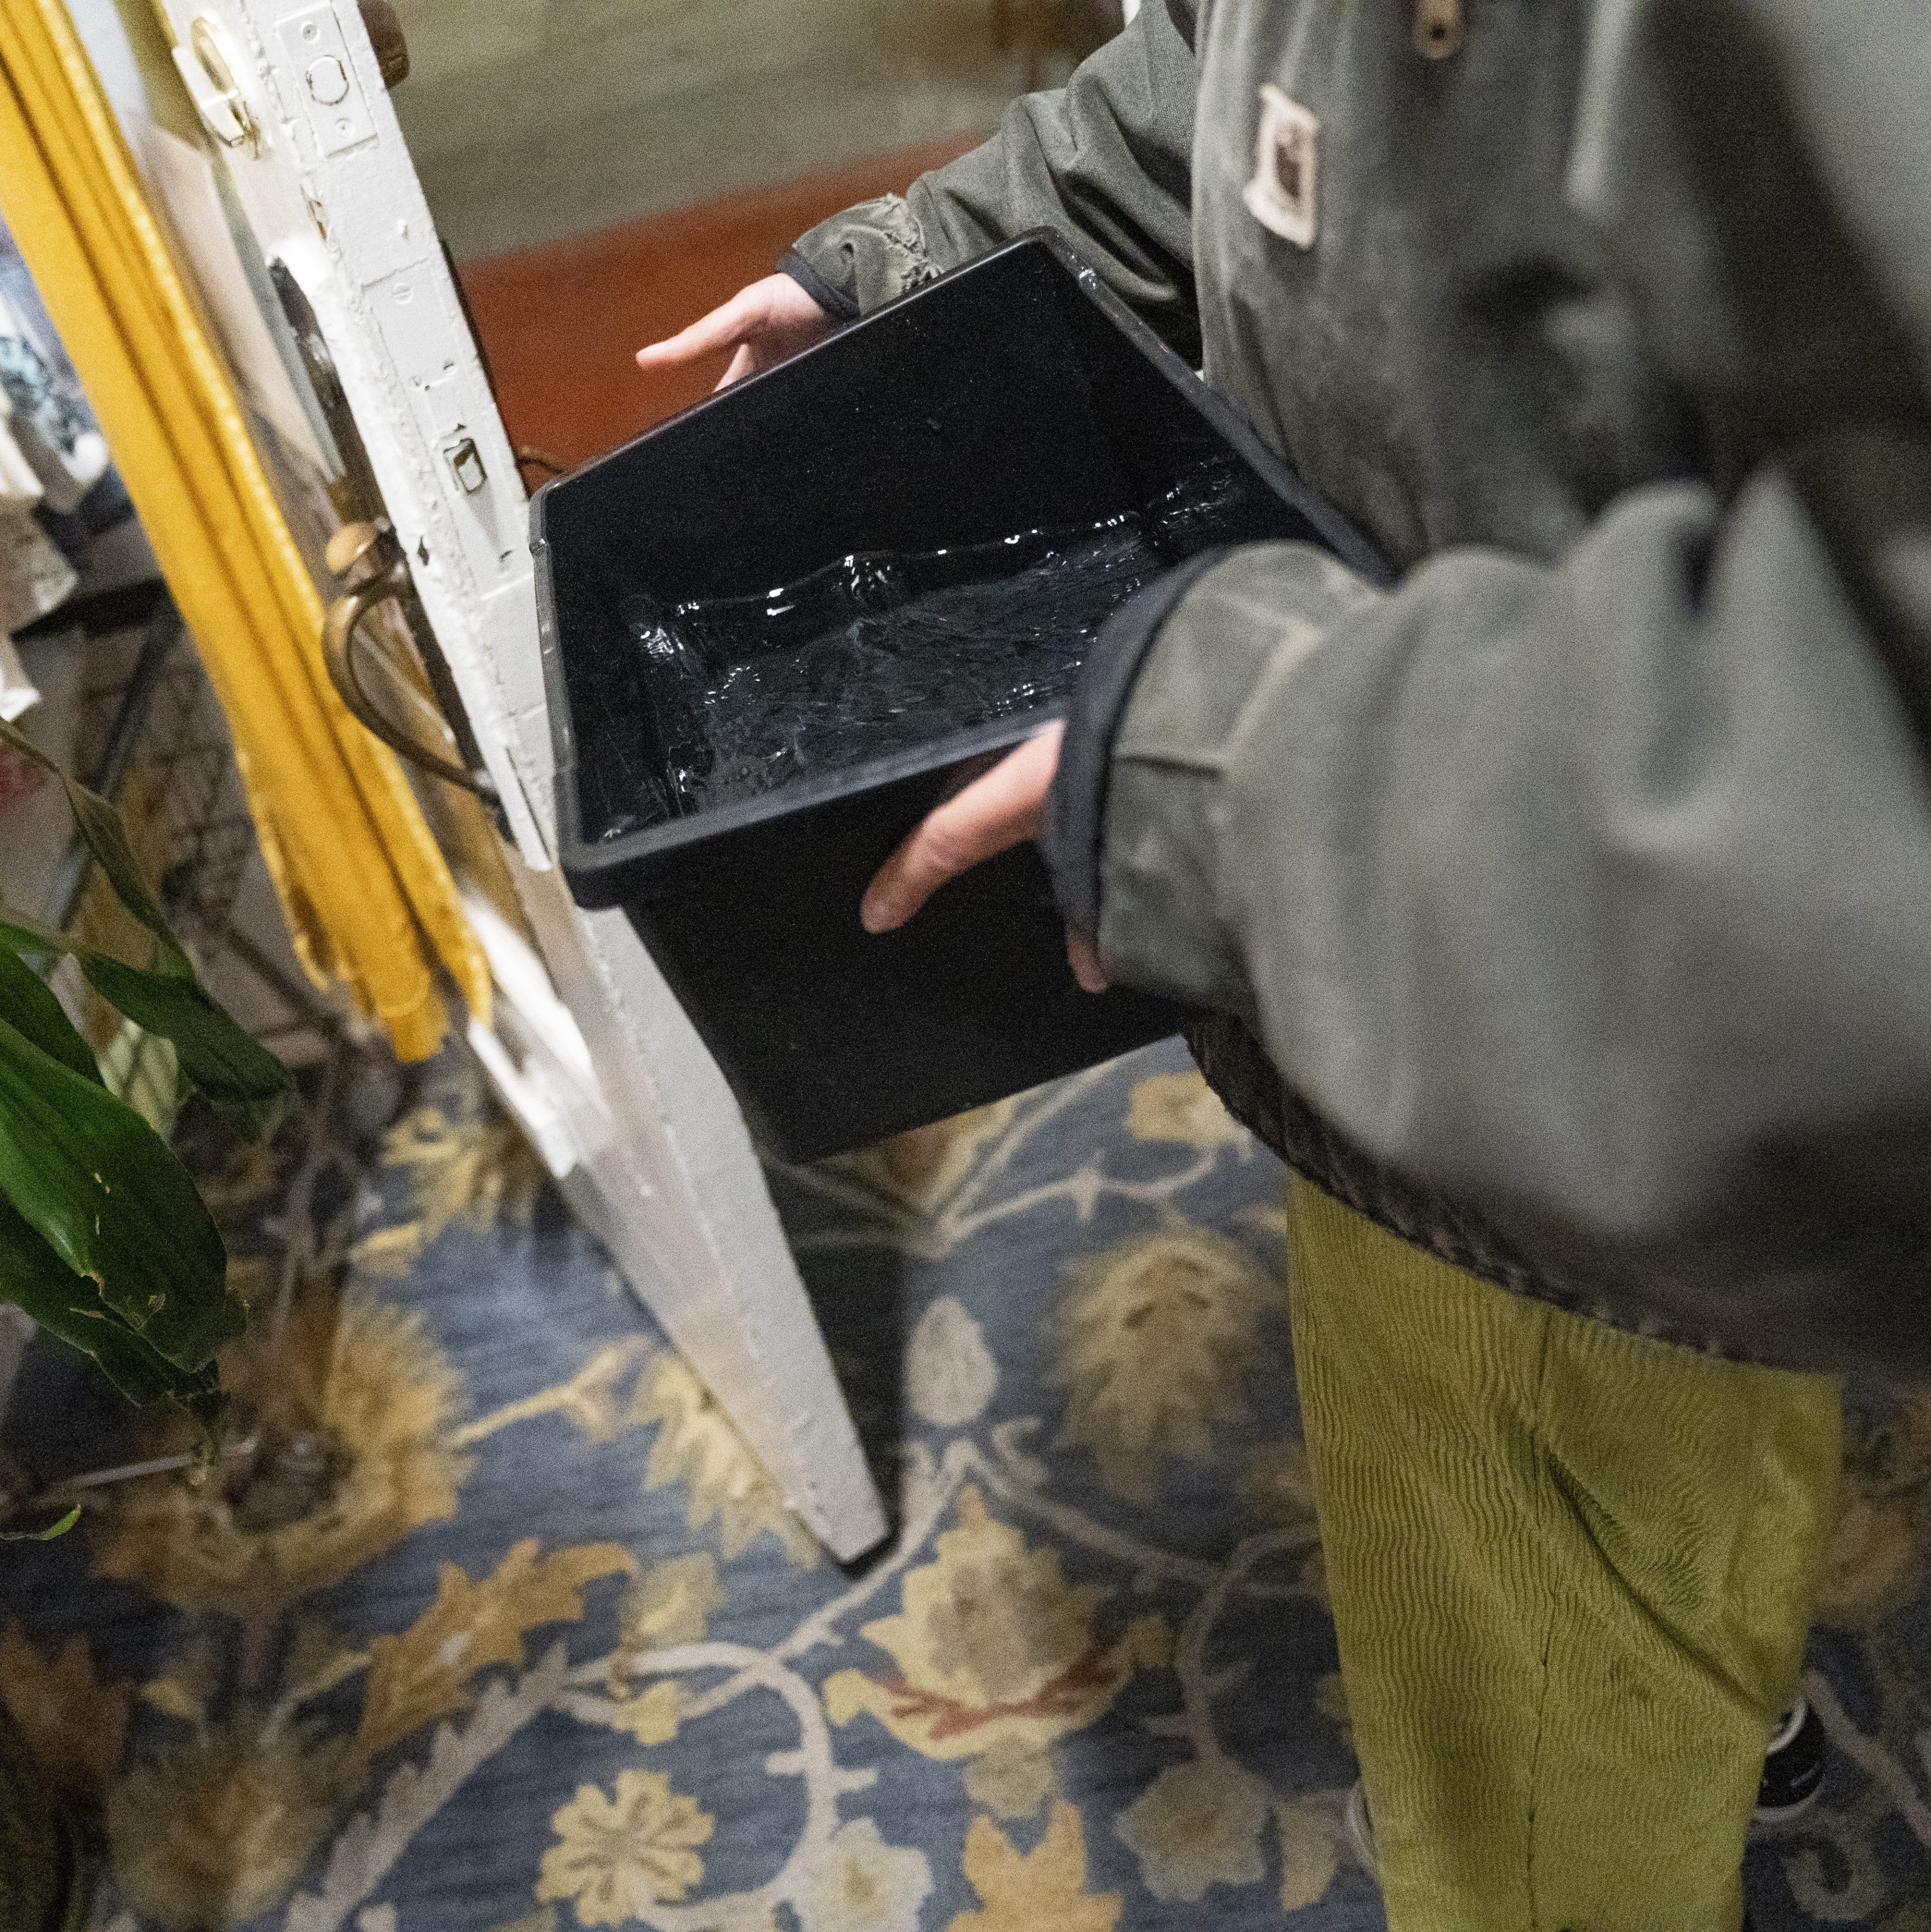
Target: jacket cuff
x,y
1074,821
836,303
1177,826
859,259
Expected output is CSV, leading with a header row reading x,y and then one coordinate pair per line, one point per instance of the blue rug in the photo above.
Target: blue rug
x,y
515,1634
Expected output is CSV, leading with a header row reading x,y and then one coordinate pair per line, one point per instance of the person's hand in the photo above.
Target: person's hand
x,y
766,322
999,809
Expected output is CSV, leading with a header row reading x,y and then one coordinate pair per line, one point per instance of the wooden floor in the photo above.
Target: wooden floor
x,y
559,325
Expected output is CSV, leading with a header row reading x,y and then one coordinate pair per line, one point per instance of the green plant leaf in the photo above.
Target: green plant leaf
x,y
69,1307
47,1535
104,1191
26,936
239,1078
100,825
28,1002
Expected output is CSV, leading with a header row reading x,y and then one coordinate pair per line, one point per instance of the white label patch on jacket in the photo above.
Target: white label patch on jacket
x,y
1281,196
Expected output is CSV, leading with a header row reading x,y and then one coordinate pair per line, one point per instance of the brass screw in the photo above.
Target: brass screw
x,y
1437,28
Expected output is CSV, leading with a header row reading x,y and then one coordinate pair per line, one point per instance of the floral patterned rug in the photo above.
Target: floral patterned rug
x,y
511,1635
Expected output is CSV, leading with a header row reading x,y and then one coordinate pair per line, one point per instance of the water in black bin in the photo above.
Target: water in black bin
x,y
779,628
882,653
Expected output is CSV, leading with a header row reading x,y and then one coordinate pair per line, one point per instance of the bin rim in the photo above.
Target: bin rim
x,y
604,872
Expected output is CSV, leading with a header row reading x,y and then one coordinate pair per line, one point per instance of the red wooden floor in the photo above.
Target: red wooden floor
x,y
560,324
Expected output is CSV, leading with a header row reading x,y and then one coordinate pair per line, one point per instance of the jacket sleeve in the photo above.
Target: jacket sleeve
x,y
1598,894
1105,160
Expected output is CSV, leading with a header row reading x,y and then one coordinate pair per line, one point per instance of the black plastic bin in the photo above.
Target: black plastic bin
x,y
1013,394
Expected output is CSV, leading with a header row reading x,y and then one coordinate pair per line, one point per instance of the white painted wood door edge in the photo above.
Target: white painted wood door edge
x,y
667,1174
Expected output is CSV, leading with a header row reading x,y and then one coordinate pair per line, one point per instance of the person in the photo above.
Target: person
x,y
1562,916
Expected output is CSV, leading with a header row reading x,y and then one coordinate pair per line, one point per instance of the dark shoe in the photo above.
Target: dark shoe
x,y
1793,1771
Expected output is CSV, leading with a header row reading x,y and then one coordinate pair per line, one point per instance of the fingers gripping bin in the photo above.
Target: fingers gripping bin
x,y
781,627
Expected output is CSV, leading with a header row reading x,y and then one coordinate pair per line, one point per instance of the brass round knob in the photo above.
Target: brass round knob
x,y
353,545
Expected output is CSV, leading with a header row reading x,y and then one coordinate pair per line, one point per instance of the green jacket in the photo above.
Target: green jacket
x,y
1579,888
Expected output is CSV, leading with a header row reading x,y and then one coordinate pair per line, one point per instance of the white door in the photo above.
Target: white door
x,y
589,1050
